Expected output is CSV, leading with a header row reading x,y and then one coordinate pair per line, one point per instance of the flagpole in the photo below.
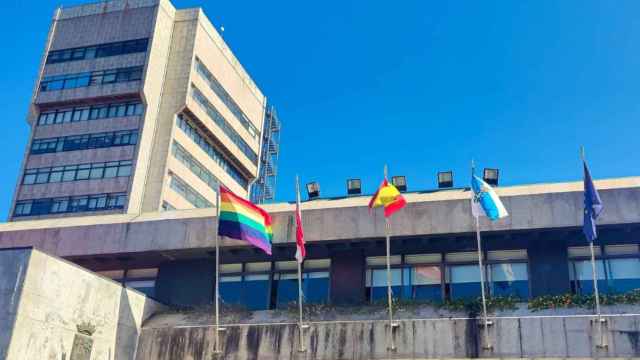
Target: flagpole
x,y
594,274
216,348
484,299
387,228
480,264
300,323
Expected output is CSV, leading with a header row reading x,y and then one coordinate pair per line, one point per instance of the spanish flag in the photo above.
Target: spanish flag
x,y
389,197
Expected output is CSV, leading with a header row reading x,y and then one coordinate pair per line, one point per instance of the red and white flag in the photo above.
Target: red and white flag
x,y
301,252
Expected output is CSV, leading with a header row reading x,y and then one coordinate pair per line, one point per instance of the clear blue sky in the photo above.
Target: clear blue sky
x,y
421,85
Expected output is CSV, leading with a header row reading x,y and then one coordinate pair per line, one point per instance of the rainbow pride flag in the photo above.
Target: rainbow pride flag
x,y
242,220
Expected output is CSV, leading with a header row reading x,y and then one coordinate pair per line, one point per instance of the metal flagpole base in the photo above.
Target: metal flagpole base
x,y
602,323
486,324
302,328
394,326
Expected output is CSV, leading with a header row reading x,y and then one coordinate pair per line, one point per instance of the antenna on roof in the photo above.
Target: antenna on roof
x,y
221,30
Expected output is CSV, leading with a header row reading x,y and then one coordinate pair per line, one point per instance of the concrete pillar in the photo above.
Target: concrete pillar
x,y
186,283
548,266
347,277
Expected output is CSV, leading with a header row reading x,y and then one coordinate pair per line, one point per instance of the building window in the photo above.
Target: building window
x,y
617,268
217,118
187,192
84,142
214,154
98,51
143,280
412,277
506,274
257,287
72,204
315,282
77,172
220,91
246,285
194,165
72,81
84,113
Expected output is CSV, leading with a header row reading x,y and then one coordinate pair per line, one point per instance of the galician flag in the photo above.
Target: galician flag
x,y
485,201
389,197
592,206
301,252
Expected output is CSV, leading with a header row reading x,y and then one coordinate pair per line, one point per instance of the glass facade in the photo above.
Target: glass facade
x,y
412,277
196,168
223,124
214,154
70,204
617,269
247,285
84,142
143,280
436,277
257,287
77,172
98,51
187,192
85,113
219,90
79,80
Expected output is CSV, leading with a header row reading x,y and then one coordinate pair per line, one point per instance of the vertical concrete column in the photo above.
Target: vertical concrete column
x,y
186,283
347,277
548,266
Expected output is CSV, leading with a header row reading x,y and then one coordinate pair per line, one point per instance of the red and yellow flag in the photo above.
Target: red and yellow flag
x,y
389,197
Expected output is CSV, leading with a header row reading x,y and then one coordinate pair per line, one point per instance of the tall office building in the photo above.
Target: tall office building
x,y
140,107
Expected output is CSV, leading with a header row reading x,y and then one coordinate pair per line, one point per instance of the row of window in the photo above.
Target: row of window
x,y
263,285
143,280
213,153
70,204
102,77
223,124
83,142
85,113
104,170
427,277
98,51
268,285
219,90
617,269
194,165
187,192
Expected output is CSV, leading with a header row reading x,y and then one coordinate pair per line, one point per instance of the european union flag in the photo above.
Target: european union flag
x,y
592,206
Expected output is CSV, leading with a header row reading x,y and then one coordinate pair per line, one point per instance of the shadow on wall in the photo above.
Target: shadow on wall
x,y
127,331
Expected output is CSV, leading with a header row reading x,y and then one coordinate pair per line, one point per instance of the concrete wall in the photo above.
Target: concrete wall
x,y
13,265
563,336
445,214
44,298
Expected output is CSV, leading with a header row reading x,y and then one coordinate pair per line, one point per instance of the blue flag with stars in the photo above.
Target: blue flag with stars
x,y
592,206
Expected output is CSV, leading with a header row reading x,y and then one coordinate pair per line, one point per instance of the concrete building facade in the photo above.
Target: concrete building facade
x,y
139,107
539,249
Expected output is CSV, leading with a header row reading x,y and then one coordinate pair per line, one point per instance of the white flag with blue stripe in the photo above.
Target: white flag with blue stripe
x,y
485,201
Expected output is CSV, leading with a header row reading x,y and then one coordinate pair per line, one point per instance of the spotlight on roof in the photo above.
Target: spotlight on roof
x,y
400,182
354,186
445,179
490,176
313,190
